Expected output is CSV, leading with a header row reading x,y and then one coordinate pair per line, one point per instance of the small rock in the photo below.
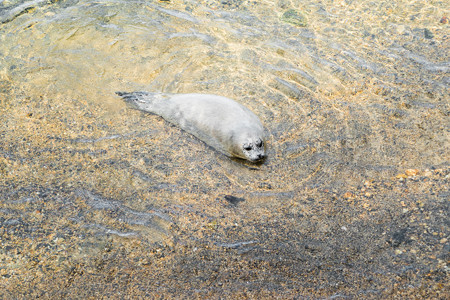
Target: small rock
x,y
145,262
348,195
411,172
443,240
401,176
428,34
367,183
284,3
233,200
294,17
401,29
265,185
444,20
427,173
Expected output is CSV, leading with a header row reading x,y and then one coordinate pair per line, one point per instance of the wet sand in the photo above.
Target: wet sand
x,y
381,239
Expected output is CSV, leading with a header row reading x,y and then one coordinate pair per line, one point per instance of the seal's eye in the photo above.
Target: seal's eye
x,y
247,148
259,144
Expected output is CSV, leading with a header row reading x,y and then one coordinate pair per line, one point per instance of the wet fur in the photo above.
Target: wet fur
x,y
218,121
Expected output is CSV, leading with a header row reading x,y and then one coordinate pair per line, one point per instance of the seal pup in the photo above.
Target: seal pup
x,y
220,122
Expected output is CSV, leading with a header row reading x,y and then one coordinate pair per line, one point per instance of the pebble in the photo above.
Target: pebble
x,y
401,176
411,172
294,17
401,29
348,195
428,34
427,173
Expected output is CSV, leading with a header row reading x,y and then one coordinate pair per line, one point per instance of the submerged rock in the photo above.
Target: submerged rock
x,y
428,34
294,17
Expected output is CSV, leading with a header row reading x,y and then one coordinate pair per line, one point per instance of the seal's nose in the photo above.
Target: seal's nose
x,y
261,156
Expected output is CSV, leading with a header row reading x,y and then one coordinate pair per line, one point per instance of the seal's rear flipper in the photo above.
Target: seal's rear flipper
x,y
143,100
136,96
137,100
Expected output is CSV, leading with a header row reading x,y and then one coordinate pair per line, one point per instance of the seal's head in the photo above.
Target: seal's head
x,y
253,149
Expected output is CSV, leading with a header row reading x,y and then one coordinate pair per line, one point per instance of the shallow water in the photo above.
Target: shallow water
x,y
358,94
